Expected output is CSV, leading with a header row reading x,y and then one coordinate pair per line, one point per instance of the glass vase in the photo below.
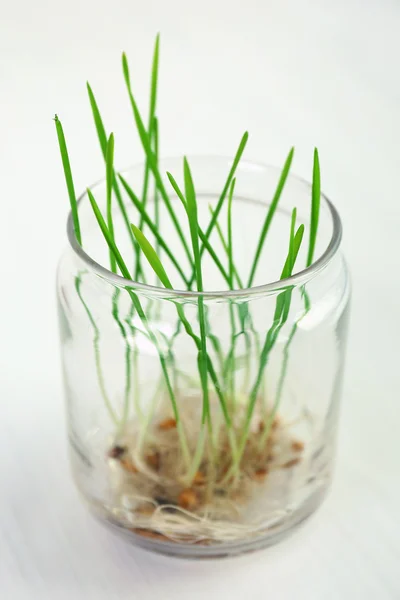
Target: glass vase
x,y
187,464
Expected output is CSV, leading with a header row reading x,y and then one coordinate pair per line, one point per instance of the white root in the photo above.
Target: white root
x,y
147,497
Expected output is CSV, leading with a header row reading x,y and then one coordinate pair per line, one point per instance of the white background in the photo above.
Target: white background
x,y
303,72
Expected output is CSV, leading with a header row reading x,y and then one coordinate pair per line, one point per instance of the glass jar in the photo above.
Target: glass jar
x,y
146,455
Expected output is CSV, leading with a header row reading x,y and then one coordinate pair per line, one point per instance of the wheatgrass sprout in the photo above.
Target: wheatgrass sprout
x,y
271,211
153,136
68,178
102,137
138,307
314,220
161,273
151,158
281,313
155,231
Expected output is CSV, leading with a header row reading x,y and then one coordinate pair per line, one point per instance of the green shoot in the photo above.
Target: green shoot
x,y
101,132
155,231
271,211
315,206
109,182
138,307
102,136
154,80
281,313
156,196
314,221
230,236
236,160
150,157
151,256
231,175
191,210
201,234
231,356
68,178
150,129
243,311
158,268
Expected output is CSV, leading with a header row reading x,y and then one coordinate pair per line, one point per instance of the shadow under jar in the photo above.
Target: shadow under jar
x,y
181,465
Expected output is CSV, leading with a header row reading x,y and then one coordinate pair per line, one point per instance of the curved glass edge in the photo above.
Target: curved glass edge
x,y
296,280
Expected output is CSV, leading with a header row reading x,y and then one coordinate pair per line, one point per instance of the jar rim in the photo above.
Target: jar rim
x,y
299,278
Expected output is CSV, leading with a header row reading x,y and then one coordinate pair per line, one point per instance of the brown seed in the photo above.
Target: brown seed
x,y
261,474
275,424
291,463
188,499
166,424
128,465
153,460
148,533
297,446
199,478
205,542
261,426
116,451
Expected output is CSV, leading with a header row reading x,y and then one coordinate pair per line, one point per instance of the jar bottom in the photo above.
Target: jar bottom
x,y
255,514
264,538
223,506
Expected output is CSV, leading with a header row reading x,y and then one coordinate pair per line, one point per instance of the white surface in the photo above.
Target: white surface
x,y
310,72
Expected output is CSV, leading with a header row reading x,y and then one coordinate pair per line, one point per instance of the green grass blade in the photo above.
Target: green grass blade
x,y
271,211
68,178
315,206
151,256
284,298
156,195
230,240
102,136
289,263
230,367
191,209
201,234
271,337
109,182
231,175
146,143
314,221
206,235
125,272
154,81
155,231
292,234
158,268
177,189
150,129
108,237
101,132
